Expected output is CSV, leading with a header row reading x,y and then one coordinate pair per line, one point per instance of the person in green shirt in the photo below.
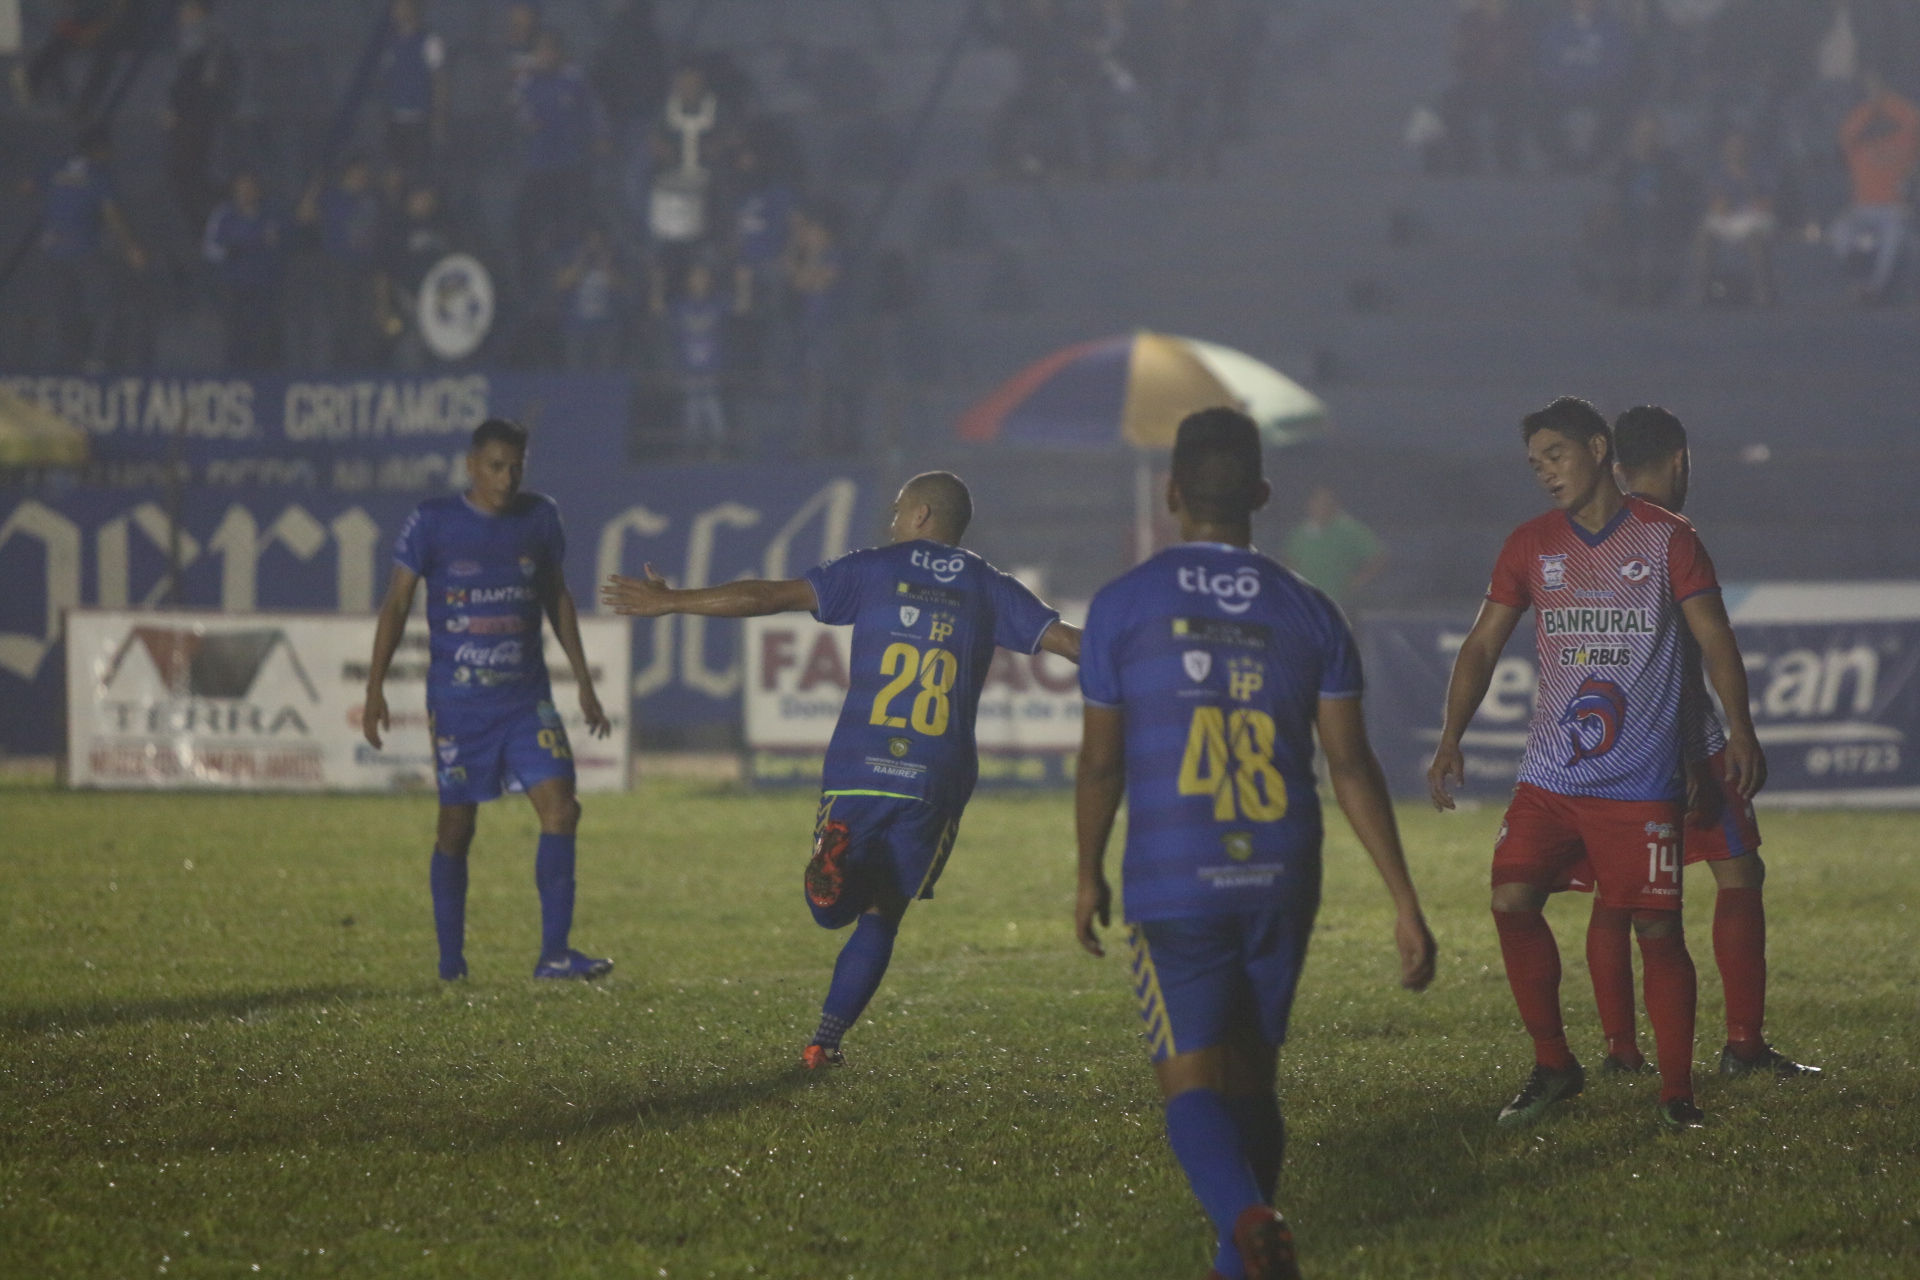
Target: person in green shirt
x,y
1332,550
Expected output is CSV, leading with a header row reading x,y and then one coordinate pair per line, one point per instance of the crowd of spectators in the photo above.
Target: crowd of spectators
x,y
1124,88
1719,126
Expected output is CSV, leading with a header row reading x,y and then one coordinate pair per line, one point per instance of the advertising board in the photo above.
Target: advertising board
x,y
1028,727
272,702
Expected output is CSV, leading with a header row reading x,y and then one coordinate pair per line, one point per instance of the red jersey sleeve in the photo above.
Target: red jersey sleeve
x,y
1689,567
1509,585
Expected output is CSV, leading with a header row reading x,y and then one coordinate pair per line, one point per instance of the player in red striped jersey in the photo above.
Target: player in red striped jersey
x,y
1617,585
1652,462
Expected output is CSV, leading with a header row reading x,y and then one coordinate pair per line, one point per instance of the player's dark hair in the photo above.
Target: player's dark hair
x,y
503,430
1217,465
947,496
1646,434
1571,417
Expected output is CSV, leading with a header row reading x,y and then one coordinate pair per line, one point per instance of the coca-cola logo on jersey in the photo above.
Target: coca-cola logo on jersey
x,y
1233,592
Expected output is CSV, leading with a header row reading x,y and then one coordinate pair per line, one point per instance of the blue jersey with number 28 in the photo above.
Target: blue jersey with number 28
x,y
1218,658
926,618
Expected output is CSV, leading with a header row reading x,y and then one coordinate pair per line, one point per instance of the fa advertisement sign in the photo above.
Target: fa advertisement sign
x,y
272,702
1833,672
797,674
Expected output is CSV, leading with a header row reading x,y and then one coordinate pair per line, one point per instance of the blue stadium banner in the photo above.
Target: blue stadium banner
x,y
1834,674
290,492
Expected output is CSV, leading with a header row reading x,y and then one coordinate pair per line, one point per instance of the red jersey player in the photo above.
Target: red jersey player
x,y
1651,462
1617,584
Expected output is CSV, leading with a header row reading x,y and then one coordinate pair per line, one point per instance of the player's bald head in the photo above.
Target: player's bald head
x,y
949,505
1217,466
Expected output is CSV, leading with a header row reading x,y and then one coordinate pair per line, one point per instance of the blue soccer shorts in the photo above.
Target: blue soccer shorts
x,y
1207,980
892,851
481,752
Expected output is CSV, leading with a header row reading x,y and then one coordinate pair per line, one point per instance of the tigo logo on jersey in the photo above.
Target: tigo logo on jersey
x,y
1594,718
943,568
1636,570
1233,592
1198,663
1553,572
909,615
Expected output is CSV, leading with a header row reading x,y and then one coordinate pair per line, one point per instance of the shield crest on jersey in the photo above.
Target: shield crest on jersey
x,y
1198,663
909,615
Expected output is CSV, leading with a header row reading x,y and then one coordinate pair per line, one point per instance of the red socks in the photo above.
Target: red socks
x,y
1671,994
1610,961
1533,971
1740,949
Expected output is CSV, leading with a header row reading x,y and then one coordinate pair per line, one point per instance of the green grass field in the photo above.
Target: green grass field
x,y
223,1051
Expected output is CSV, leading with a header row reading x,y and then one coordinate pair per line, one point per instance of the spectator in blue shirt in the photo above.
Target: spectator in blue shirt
x,y
247,244
413,89
562,130
1583,70
696,332
79,216
592,293
347,220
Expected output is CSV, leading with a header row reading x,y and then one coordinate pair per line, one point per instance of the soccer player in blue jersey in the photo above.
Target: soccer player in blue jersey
x,y
491,558
926,617
1206,671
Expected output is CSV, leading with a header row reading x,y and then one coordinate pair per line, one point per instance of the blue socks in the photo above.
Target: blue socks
x,y
1207,1142
553,876
449,879
1263,1137
856,976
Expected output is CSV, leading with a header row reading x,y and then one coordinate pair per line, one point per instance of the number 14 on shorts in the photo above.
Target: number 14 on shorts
x,y
1662,857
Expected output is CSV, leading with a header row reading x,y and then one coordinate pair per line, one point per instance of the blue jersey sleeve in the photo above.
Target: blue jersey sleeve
x,y
1099,641
410,548
836,588
1020,618
1340,657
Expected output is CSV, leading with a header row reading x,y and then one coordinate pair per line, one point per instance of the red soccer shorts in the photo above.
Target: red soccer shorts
x,y
1732,832
1633,846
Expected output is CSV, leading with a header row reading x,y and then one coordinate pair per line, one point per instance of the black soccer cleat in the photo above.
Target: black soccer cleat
x,y
1266,1245
1769,1060
572,964
1680,1114
1612,1065
1543,1088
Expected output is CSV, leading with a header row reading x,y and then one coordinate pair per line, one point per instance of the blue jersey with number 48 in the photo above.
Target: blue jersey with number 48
x,y
1218,658
926,618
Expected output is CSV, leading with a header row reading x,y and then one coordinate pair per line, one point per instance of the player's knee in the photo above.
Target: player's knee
x,y
1517,897
1656,924
455,836
560,817
1740,873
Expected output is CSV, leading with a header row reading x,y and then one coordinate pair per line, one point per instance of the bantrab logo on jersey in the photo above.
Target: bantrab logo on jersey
x,y
1234,592
1593,719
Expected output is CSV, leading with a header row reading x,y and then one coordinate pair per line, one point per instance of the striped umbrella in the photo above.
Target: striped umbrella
x,y
1134,390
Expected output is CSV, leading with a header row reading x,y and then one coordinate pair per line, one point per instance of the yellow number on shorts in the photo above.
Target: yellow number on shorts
x,y
902,662
1232,757
931,709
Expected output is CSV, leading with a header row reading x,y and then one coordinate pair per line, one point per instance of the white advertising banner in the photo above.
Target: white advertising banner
x,y
797,677
272,701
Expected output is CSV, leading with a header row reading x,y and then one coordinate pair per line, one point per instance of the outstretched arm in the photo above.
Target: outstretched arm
x,y
1360,786
1100,779
386,641
650,597
1466,690
1706,616
1063,639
